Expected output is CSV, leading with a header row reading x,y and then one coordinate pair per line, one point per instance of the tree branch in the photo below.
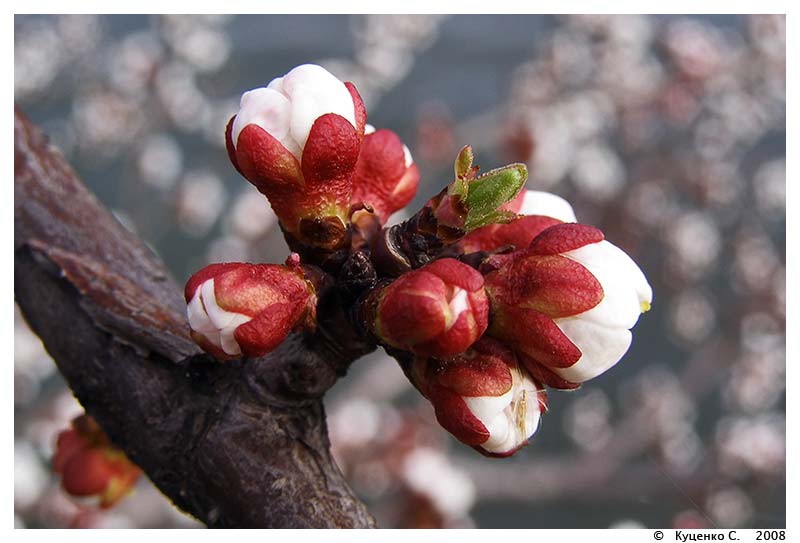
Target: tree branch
x,y
236,445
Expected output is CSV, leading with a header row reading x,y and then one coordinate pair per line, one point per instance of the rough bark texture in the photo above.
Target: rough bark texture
x,y
237,445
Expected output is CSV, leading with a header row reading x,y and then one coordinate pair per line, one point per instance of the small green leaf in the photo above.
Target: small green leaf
x,y
496,217
490,191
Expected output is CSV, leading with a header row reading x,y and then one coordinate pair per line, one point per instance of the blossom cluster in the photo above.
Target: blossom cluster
x,y
507,292
303,142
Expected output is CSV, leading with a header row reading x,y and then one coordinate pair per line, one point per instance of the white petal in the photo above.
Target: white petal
x,y
550,205
198,318
219,317
314,92
518,421
620,305
266,108
309,74
626,291
486,408
226,339
601,347
606,254
225,321
308,104
277,84
368,129
407,153
458,304
305,111
526,391
213,322
289,105
502,436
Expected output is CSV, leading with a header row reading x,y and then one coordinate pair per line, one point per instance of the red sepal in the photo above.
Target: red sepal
x,y
545,376
331,152
381,178
456,273
358,108
267,330
564,237
553,285
468,327
519,233
230,147
477,373
534,334
203,275
411,309
265,162
455,417
252,288
406,188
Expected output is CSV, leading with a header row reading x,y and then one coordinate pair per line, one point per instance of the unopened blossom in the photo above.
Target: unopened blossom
x,y
90,466
538,210
484,397
567,303
238,309
297,140
438,310
385,177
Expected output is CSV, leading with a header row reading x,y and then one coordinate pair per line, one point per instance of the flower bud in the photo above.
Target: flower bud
x,y
567,303
484,397
90,466
237,309
297,140
385,176
438,310
539,210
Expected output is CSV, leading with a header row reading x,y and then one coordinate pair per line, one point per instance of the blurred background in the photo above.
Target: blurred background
x,y
667,132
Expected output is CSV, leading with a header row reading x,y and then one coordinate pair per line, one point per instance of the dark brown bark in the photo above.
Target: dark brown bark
x,y
242,444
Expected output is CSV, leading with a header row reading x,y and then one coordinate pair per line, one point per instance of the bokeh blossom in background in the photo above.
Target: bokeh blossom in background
x,y
666,132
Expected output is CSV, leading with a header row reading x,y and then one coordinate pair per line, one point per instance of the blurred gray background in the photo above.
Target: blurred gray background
x,y
668,132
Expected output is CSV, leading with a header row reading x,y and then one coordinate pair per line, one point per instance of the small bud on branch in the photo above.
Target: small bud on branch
x,y
297,140
483,397
438,310
90,466
567,303
238,309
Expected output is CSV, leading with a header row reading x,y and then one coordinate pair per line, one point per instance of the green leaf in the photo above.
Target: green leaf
x,y
490,191
496,217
